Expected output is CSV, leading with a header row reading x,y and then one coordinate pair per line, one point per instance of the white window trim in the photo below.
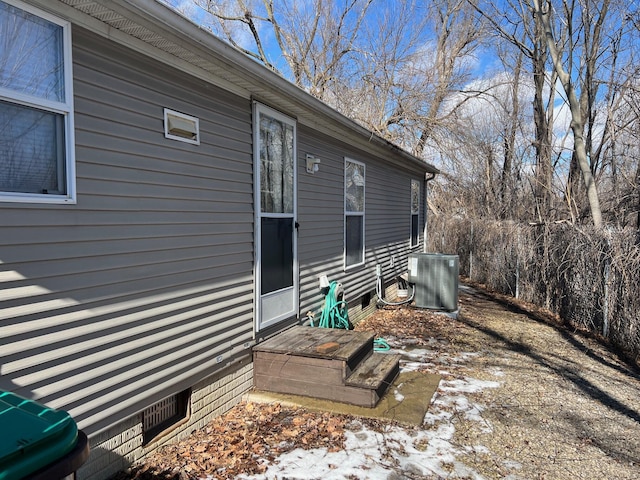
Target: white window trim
x,y
63,108
416,213
354,214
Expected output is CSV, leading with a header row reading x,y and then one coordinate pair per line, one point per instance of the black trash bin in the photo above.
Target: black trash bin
x,y
38,442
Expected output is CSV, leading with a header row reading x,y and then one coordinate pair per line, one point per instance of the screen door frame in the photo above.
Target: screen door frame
x,y
274,305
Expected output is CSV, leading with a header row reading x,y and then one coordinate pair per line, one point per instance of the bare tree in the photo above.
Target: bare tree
x,y
512,126
543,11
393,70
617,147
457,33
513,21
622,154
314,38
387,88
577,43
488,151
403,70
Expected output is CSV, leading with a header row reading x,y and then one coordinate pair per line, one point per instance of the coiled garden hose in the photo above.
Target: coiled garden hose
x,y
335,313
382,301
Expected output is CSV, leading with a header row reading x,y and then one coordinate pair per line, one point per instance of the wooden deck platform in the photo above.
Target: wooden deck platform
x,y
332,364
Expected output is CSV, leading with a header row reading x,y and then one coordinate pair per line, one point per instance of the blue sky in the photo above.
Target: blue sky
x,y
379,9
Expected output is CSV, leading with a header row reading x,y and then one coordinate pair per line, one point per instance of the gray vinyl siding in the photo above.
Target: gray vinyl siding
x,y
321,217
145,286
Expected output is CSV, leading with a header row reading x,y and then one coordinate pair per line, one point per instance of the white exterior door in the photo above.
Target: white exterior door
x,y
276,266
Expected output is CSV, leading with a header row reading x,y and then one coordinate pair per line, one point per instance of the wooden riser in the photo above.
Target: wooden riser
x,y
376,373
301,369
295,362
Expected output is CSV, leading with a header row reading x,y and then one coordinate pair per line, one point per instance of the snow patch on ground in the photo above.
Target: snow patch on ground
x,y
467,385
376,456
397,395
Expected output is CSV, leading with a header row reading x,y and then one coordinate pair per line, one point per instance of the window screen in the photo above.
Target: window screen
x,y
36,118
354,201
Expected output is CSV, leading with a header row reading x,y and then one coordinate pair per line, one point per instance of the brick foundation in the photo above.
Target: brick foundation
x,y
118,447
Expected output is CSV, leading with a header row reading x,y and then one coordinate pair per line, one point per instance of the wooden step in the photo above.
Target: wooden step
x,y
303,341
332,364
376,373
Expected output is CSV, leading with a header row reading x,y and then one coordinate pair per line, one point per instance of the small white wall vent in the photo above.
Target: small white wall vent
x,y
181,127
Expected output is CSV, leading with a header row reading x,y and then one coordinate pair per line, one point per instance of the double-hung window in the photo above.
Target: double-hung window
x,y
36,106
354,181
415,213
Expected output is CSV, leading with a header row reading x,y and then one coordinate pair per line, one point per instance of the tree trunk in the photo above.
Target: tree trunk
x,y
638,196
577,123
543,120
511,131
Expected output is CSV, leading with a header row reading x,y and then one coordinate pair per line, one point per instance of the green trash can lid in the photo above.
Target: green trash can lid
x,y
33,435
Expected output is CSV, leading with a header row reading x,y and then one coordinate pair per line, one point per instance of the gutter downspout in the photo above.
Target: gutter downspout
x,y
427,179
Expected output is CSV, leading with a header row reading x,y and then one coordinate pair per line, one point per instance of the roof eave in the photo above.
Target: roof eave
x,y
268,85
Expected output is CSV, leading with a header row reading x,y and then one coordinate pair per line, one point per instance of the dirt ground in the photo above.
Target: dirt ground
x,y
565,407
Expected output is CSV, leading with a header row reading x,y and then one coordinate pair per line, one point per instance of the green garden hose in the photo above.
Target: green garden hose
x,y
381,345
335,313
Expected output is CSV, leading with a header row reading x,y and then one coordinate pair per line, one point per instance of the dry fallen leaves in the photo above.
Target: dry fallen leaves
x,y
407,322
241,441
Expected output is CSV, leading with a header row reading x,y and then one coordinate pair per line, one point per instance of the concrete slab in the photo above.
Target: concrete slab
x,y
407,400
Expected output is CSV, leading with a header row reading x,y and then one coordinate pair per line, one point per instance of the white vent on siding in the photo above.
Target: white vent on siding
x,y
181,127
165,415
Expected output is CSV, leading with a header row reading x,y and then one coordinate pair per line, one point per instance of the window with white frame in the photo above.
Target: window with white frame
x,y
36,106
354,181
415,213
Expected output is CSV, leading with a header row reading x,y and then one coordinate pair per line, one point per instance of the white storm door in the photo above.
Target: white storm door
x,y
275,224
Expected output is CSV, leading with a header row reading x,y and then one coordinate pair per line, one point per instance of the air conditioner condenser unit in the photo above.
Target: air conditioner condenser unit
x,y
435,279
